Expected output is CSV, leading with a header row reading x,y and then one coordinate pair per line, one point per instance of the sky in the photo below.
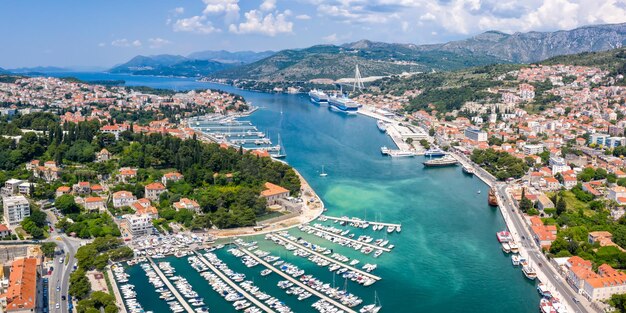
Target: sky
x,y
73,33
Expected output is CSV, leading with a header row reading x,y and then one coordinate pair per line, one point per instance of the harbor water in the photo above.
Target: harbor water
x,y
446,259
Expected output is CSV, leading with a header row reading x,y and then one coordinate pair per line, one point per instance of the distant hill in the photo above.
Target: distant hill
x,y
169,65
39,69
3,71
330,61
537,46
223,56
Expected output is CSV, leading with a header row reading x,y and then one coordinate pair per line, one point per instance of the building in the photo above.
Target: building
x,y
188,204
558,165
21,295
63,190
171,177
82,187
598,139
4,230
137,224
618,194
16,209
578,269
603,285
123,198
11,186
603,238
533,149
24,188
95,204
126,174
552,183
154,190
103,156
475,134
273,193
543,202
544,235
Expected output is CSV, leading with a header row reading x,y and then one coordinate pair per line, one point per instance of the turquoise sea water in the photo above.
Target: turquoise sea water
x,y
446,259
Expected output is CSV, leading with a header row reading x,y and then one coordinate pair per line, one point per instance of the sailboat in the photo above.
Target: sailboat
x,y
372,308
281,151
323,174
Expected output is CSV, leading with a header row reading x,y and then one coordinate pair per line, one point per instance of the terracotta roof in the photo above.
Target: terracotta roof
x,y
155,186
93,199
21,294
122,194
272,190
64,189
3,227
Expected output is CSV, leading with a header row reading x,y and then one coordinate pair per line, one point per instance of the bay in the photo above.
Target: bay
x,y
446,259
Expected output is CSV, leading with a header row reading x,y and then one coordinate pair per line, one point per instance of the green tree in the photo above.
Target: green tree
x,y
618,301
561,206
66,204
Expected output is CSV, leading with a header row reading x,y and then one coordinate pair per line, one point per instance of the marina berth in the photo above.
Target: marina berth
x,y
356,222
332,235
181,301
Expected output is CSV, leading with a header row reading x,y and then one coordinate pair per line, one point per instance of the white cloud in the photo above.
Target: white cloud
x,y
268,5
332,38
125,43
196,24
179,10
221,6
102,44
303,17
158,42
256,23
427,17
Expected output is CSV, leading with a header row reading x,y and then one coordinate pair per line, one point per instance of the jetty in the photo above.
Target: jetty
x,y
169,285
297,282
240,290
356,220
375,247
333,261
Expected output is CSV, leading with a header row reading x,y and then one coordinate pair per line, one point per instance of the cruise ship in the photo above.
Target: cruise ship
x,y
318,96
382,125
447,160
343,104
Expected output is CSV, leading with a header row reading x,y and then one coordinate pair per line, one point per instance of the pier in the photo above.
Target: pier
x,y
375,247
355,220
297,282
169,285
333,261
219,273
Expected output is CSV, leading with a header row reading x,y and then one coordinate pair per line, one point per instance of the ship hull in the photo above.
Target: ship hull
x,y
492,199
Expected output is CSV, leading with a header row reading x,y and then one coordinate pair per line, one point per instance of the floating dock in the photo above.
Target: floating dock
x,y
375,247
240,290
355,220
297,282
364,273
169,285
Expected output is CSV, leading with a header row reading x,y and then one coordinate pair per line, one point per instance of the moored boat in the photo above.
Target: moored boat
x,y
444,161
543,291
491,198
529,272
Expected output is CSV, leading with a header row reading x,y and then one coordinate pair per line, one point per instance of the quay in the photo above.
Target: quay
x,y
232,284
355,220
375,247
364,273
169,285
297,282
116,291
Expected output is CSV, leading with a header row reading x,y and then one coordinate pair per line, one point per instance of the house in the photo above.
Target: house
x,y
63,190
103,156
4,230
603,285
551,183
569,181
171,177
123,198
137,224
273,193
591,186
618,194
25,187
21,295
543,202
188,204
97,189
11,186
603,238
94,204
544,235
578,270
16,209
82,187
154,190
126,174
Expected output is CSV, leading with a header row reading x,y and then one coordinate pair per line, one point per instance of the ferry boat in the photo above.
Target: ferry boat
x,y
434,152
546,306
343,104
382,125
529,272
514,247
492,199
558,306
515,259
447,160
543,291
504,236
506,248
318,96
384,150
401,153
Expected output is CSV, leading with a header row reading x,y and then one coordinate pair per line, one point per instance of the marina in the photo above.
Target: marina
x,y
172,289
298,283
354,242
356,222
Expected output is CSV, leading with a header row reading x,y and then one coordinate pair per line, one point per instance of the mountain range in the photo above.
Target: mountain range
x,y
379,58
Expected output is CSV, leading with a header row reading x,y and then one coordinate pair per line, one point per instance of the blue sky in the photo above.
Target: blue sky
x,y
104,33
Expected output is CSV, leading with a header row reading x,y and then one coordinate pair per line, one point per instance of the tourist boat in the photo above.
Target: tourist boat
x,y
546,306
515,259
447,160
504,236
318,96
384,150
543,291
491,198
514,247
434,152
529,272
382,125
401,153
506,248
558,306
468,170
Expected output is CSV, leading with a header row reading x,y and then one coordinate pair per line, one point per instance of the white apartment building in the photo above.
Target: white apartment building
x,y
16,209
